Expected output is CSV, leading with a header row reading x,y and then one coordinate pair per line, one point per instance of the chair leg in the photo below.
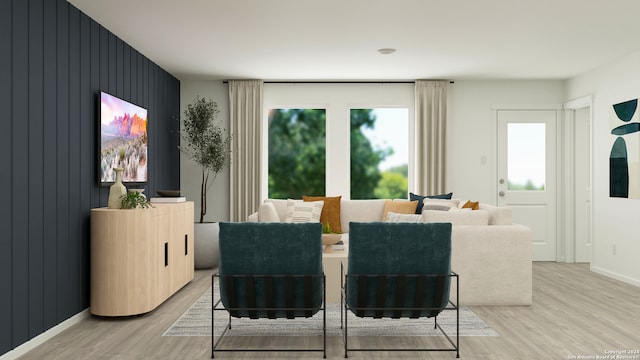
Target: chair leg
x,y
324,316
213,328
346,330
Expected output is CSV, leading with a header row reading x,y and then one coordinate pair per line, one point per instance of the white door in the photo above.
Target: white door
x,y
582,185
527,173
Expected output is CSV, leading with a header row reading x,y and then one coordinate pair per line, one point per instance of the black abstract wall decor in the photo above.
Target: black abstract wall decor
x,y
624,160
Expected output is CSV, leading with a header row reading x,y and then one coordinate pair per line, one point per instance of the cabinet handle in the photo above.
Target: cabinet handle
x,y
186,246
166,254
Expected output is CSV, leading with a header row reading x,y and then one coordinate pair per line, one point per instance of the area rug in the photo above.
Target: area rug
x,y
196,321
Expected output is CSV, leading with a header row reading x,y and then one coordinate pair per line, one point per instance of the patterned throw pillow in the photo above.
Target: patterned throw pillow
x,y
403,218
439,204
303,212
421,198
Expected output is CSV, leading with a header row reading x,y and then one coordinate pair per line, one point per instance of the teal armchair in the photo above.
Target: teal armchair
x,y
399,270
269,270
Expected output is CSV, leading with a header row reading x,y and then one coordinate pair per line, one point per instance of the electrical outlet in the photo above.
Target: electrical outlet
x,y
613,249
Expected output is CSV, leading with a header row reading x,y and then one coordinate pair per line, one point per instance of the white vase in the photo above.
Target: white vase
x,y
116,191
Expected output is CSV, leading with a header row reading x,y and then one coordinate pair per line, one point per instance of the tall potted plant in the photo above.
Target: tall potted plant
x,y
206,143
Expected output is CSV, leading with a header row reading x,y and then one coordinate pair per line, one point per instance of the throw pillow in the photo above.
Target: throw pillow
x,y
401,207
303,212
421,198
439,204
267,213
330,211
403,218
473,205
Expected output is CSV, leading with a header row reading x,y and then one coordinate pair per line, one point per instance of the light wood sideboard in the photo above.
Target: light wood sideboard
x,y
139,257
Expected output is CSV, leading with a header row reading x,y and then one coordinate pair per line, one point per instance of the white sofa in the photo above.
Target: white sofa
x,y
492,256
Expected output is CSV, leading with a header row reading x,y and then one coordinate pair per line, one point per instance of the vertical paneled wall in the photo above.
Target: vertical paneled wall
x,y
54,60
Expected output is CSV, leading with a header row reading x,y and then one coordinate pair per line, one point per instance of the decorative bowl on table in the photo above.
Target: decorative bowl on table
x,y
328,240
168,193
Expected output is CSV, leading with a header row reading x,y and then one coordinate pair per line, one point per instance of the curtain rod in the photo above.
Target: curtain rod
x,y
338,82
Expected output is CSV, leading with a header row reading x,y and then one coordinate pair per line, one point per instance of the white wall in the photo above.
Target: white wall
x,y
615,219
190,173
472,132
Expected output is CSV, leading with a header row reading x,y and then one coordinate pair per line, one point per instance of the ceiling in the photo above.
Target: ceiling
x,y
337,40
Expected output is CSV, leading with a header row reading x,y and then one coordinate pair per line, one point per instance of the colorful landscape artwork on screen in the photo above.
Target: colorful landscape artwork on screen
x,y
123,140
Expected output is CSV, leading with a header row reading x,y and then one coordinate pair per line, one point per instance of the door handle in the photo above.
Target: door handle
x,y
501,193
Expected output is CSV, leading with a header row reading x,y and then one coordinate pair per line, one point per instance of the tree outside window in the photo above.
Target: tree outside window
x,y
379,153
297,153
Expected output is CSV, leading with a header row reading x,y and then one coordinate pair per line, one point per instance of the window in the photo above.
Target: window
x,y
297,156
379,153
526,156
307,132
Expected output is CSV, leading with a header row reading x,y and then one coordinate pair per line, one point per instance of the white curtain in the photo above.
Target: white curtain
x,y
245,110
431,98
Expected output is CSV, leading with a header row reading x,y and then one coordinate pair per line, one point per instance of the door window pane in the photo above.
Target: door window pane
x,y
297,153
526,156
379,153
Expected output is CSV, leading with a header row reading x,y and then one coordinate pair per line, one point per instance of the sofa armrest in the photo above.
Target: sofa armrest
x,y
494,264
253,217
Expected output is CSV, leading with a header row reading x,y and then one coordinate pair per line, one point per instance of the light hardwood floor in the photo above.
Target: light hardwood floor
x,y
575,313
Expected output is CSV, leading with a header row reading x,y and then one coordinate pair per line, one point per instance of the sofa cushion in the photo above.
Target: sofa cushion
x,y
498,215
360,211
439,204
303,212
267,213
410,218
477,218
330,211
421,198
401,207
281,207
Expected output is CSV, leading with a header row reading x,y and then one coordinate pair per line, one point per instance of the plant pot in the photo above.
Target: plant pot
x,y
206,250
328,240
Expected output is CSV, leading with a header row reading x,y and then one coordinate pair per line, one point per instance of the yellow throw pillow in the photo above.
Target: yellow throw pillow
x,y
399,207
330,211
473,205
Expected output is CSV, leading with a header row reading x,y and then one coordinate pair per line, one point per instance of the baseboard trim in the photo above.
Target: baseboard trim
x,y
45,336
616,276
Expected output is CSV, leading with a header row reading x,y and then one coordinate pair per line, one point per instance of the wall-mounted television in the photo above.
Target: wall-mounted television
x,y
123,140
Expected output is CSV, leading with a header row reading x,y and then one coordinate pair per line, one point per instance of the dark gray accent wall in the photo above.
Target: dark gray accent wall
x,y
54,61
